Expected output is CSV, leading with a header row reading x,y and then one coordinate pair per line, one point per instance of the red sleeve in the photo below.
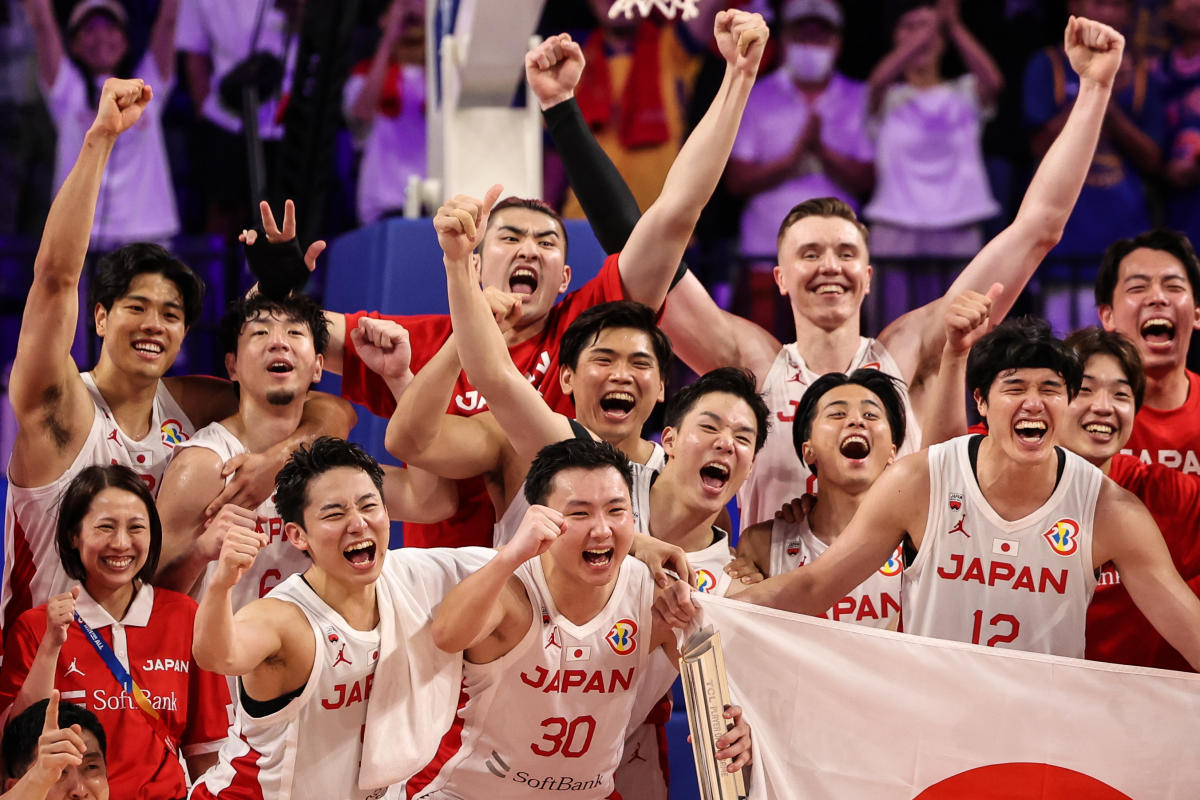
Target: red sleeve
x,y
20,646
426,333
604,287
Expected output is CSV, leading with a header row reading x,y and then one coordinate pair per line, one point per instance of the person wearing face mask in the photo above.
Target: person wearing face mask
x,y
803,134
932,193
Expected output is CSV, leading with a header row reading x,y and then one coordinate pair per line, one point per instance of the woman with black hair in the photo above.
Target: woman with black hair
x,y
137,676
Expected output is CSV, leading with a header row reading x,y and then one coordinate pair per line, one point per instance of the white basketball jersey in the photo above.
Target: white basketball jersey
x,y
1021,585
311,748
274,562
778,475
643,475
548,718
875,602
32,570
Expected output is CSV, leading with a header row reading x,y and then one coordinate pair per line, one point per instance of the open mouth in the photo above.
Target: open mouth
x,y
855,446
280,367
714,476
523,281
118,562
360,554
1030,430
617,404
148,348
1158,330
598,558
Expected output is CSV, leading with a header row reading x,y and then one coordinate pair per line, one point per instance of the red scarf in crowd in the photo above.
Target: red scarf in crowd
x,y
641,117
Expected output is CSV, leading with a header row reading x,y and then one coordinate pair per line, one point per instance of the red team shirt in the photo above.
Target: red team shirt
x,y
1171,437
536,357
158,636
1116,630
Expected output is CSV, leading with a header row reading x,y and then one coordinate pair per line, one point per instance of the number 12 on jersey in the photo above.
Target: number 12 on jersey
x,y
1006,627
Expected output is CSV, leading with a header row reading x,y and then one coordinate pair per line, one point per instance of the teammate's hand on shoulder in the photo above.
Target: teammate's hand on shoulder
x,y
735,743
968,318
667,562
796,510
1094,50
538,531
741,37
743,569
461,222
122,101
384,347
553,69
57,748
60,612
252,481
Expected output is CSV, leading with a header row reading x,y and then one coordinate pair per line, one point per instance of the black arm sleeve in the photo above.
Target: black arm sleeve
x,y
603,194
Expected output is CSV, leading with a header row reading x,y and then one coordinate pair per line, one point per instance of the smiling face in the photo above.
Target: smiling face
x,y
823,270
144,329
346,527
524,252
615,383
113,541
1153,306
1099,421
597,524
99,43
1025,409
712,450
850,441
276,360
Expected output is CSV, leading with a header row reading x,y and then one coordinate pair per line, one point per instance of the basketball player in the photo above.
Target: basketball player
x,y
1005,530
557,632
847,428
824,271
123,411
307,653
274,352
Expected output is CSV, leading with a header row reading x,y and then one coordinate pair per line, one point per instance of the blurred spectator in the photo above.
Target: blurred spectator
x,y
229,44
931,192
136,201
1181,93
384,102
634,93
1113,203
26,132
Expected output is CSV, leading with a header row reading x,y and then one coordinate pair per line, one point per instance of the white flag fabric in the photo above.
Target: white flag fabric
x,y
845,712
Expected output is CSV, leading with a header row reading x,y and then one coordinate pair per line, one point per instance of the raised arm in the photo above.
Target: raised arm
x,y
488,613
51,403
47,39
516,404
362,110
988,78
1126,534
162,38
39,681
915,340
656,246
891,67
415,495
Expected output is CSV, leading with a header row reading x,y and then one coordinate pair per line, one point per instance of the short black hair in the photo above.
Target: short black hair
x,y
1093,341
572,454
729,380
1163,239
880,384
306,463
586,328
297,307
77,501
20,743
1017,343
116,271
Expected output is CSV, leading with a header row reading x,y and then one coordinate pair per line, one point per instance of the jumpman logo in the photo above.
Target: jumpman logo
x,y
550,642
73,669
959,527
341,659
637,754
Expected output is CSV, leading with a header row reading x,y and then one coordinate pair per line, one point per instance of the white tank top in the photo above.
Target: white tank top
x,y
279,558
643,475
32,570
778,475
310,749
1021,585
548,718
875,602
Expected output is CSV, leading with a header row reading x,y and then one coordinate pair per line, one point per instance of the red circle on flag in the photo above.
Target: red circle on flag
x,y
1023,781
1004,547
578,654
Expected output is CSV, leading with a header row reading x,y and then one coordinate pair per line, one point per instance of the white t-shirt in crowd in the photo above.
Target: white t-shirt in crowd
x,y
929,170
137,200
775,117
